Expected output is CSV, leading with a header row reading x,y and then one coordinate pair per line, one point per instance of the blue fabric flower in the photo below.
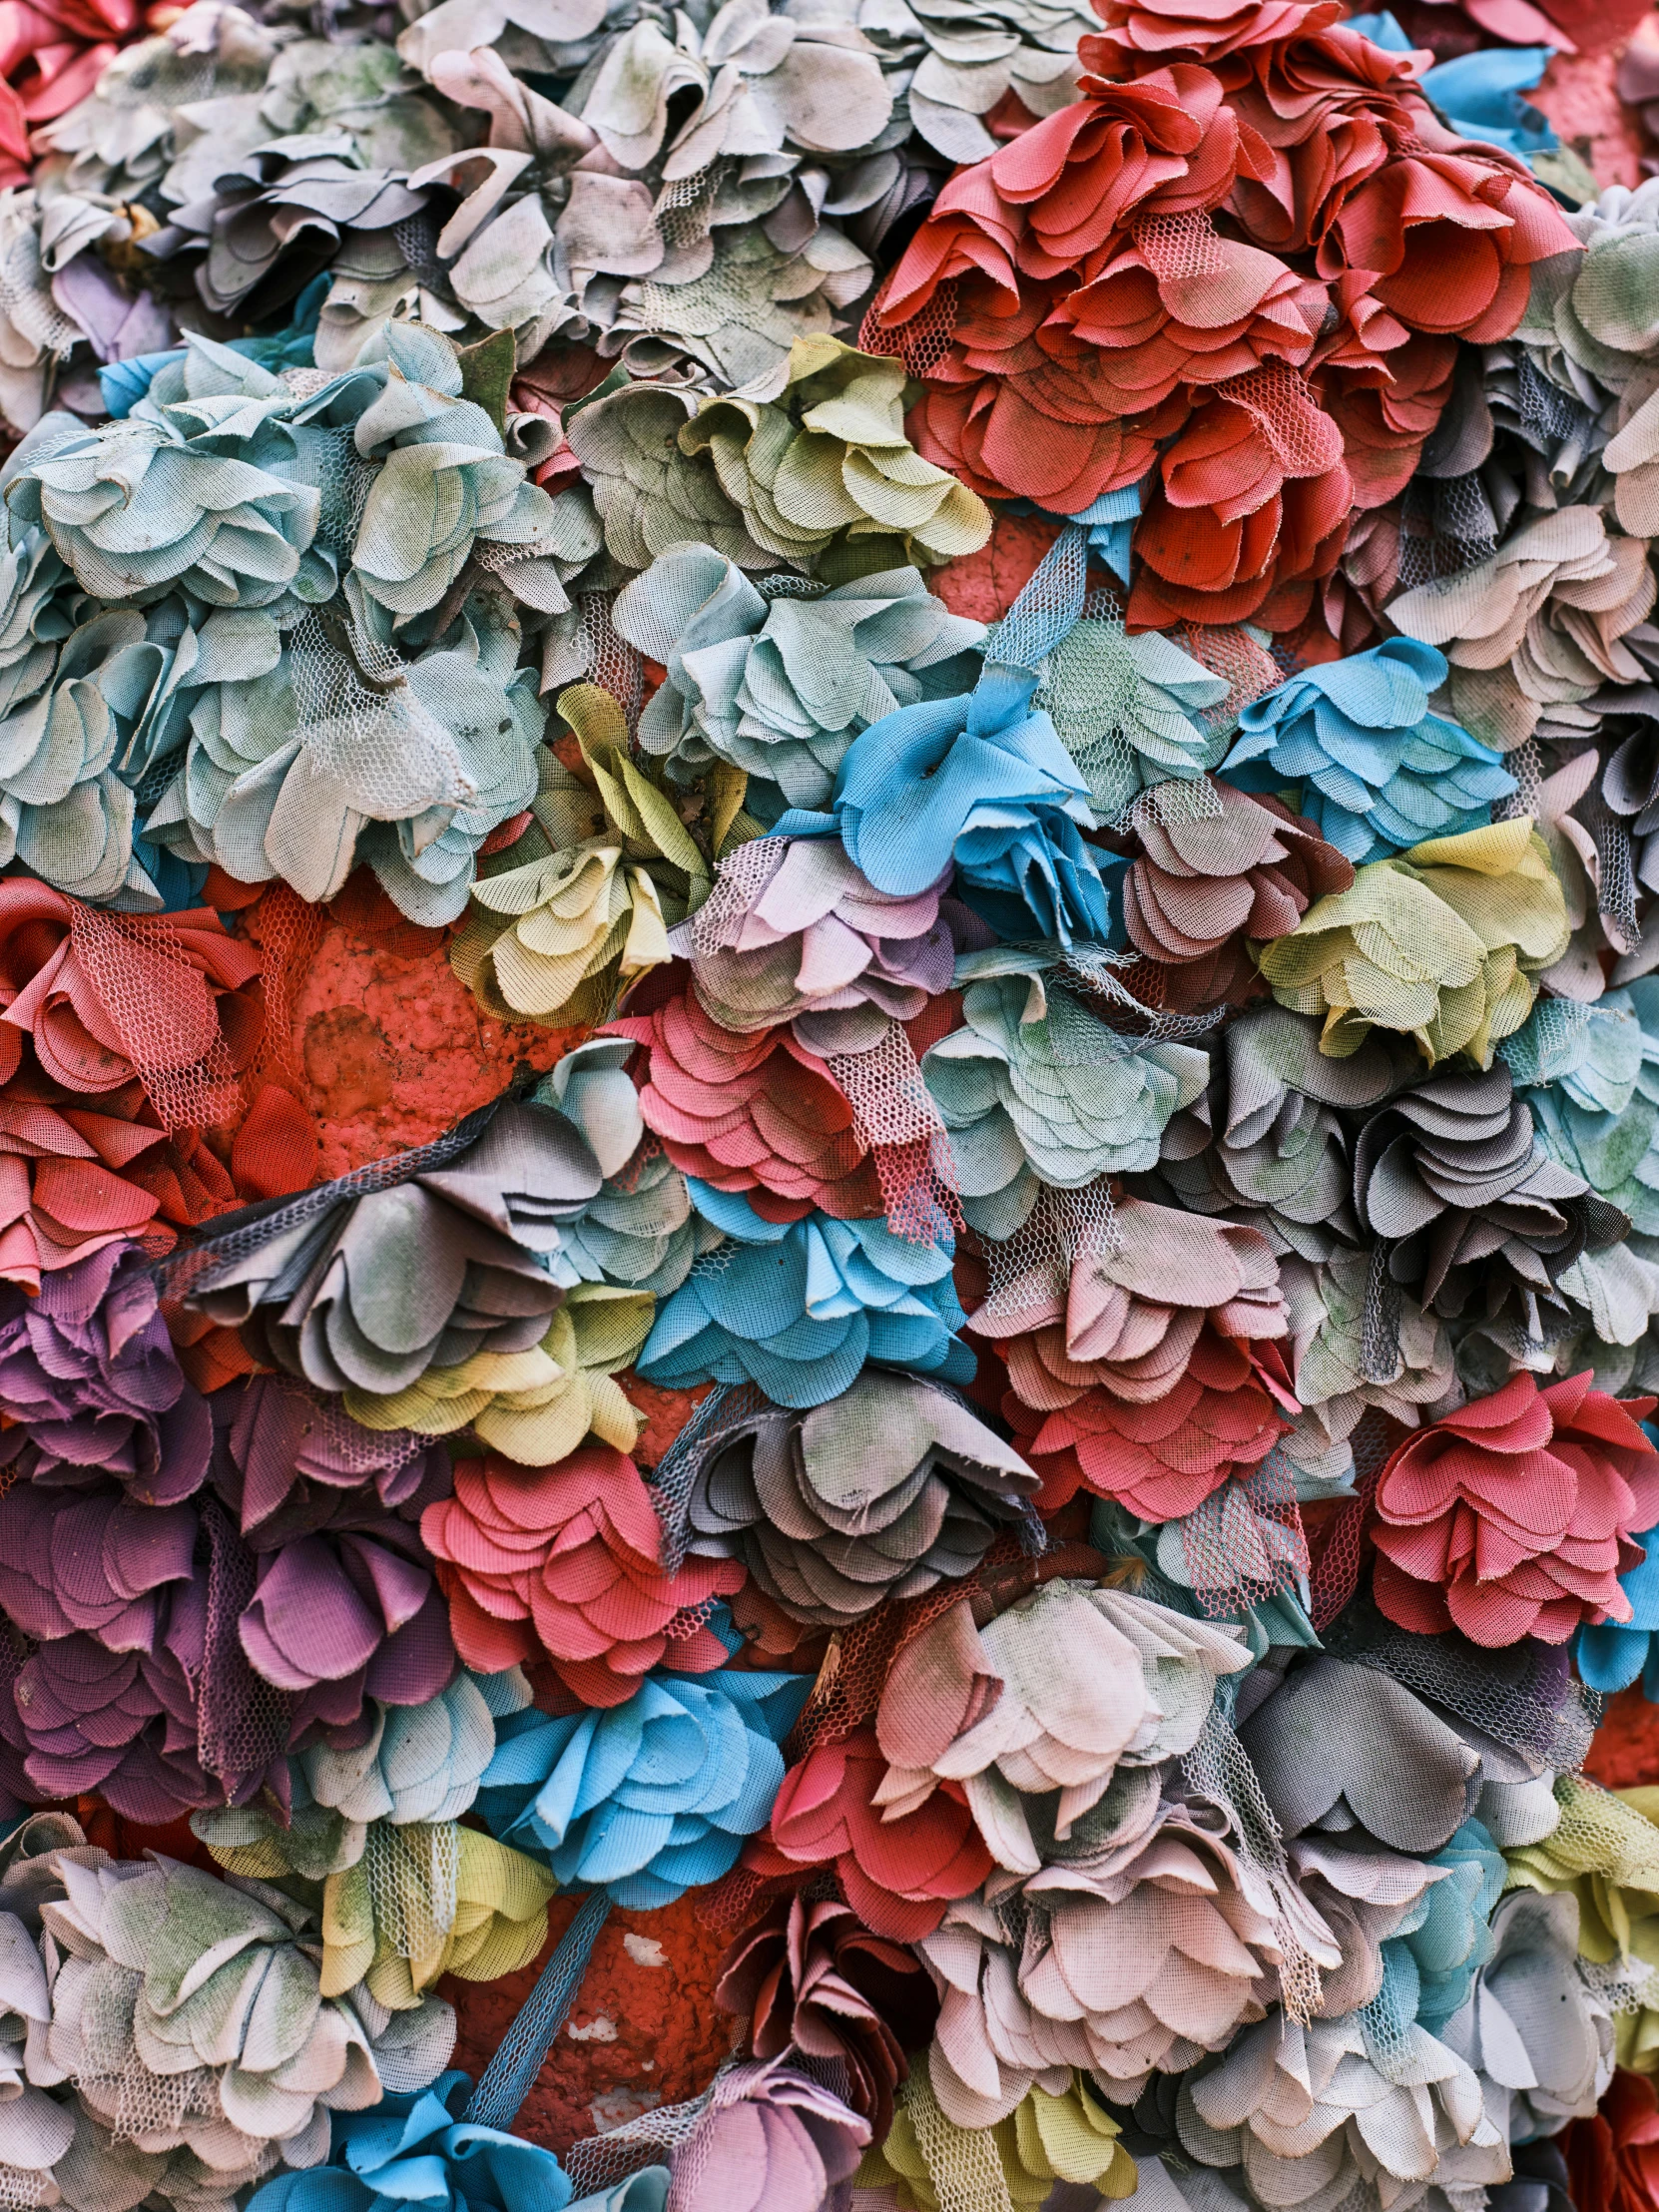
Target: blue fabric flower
x,y
415,2150
982,779
1479,93
1611,1656
799,1306
1378,771
1431,1962
651,1798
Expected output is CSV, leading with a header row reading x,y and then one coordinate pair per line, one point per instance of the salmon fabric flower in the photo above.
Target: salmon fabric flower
x,y
1515,1516
567,1561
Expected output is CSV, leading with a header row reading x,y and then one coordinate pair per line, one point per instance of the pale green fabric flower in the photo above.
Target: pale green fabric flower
x,y
781,686
1035,1089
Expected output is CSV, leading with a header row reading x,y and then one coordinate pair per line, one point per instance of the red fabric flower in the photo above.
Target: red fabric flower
x,y
1164,1456
1514,1516
1613,2156
814,1977
758,1114
897,1876
1251,506
567,1560
1385,410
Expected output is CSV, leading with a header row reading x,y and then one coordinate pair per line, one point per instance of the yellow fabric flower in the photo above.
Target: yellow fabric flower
x,y
535,1407
585,899
1443,941
930,2161
832,456
1605,1851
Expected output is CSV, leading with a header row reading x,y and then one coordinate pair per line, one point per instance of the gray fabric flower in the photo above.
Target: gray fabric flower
x,y
371,1290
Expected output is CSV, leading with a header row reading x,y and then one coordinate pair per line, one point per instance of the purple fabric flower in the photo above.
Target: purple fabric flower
x,y
350,1615
88,1371
93,1563
288,1453
120,1723
771,2136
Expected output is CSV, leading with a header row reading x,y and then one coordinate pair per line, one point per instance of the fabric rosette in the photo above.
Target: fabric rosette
x,y
88,1371
1456,931
756,1114
779,685
1513,1516
798,1307
875,1495
648,1798
1378,771
566,1561
1035,1089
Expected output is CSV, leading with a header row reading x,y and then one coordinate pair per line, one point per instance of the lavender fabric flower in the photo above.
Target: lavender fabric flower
x,y
120,1723
87,1369
292,1459
92,1562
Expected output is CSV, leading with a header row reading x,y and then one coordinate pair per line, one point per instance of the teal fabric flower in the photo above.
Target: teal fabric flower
x,y
1379,769
649,1798
798,1307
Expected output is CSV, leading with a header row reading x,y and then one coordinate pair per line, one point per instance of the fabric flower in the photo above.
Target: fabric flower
x,y
1047,2138
92,1559
756,1114
771,2136
1035,1089
1201,886
780,686
650,1797
1535,1972
1611,2154
1159,1451
798,1307
88,1369
1043,1701
587,894
566,1560
348,1614
875,1495
1334,2114
1548,1554
1271,1141
1125,1311
1451,1175
1095,1983
402,1904
419,1274
419,1762
295,1452
266,2089
999,794
813,1978
1380,770
1543,619
1611,1655
433,2159
897,1874
793,929
123,1724
1454,930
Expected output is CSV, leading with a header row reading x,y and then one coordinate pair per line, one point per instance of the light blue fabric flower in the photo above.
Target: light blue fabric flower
x,y
1612,1654
651,1798
417,2151
798,1307
1479,93
1378,771
983,779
